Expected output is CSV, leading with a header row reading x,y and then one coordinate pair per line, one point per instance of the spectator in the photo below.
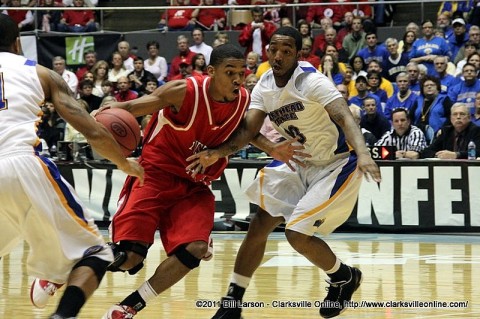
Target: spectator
x,y
185,70
151,85
474,39
100,74
210,19
71,134
85,90
51,128
331,69
81,20
328,37
307,55
386,85
333,12
443,23
407,42
250,81
178,19
272,14
447,81
123,47
373,51
458,38
252,63
286,22
469,49
432,108
48,20
413,77
23,18
138,77
346,26
155,64
108,89
370,139
427,48
184,56
354,41
466,90
361,85
199,46
374,82
90,58
305,29
395,63
358,66
199,66
476,115
372,119
60,67
256,35
404,97
123,90
408,139
452,141
118,68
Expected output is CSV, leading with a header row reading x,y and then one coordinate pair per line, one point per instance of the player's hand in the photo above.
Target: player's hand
x,y
133,168
289,151
201,160
369,168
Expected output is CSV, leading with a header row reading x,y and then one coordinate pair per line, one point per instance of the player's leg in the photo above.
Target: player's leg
x,y
248,259
185,231
65,243
327,205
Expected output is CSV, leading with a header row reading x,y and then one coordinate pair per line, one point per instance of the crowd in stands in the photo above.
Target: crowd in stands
x,y
410,92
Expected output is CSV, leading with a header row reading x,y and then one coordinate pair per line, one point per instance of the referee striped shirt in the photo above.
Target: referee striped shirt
x,y
412,140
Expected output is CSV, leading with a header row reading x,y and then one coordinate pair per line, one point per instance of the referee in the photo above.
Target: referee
x,y
408,139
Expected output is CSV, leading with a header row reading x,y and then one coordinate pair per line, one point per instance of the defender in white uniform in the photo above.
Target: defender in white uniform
x,y
37,204
312,194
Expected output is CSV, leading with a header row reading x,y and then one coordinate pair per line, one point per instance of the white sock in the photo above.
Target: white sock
x,y
334,268
240,280
146,292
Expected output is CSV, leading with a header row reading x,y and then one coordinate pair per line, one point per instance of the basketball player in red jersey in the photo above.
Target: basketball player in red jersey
x,y
188,115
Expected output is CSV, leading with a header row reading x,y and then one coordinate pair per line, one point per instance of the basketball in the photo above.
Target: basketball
x,y
123,126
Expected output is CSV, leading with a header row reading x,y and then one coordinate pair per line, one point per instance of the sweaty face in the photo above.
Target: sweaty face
x,y
227,78
282,55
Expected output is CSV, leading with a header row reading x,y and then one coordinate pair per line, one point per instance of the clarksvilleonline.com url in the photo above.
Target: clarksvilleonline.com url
x,y
205,303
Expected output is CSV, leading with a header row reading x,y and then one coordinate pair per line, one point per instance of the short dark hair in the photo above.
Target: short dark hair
x,y
290,32
401,109
155,43
225,51
8,32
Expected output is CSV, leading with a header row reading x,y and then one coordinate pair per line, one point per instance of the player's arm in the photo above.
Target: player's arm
x,y
57,91
170,94
247,130
340,114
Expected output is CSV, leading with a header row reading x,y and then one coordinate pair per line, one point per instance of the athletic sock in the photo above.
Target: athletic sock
x,y
342,272
238,285
135,301
146,292
71,302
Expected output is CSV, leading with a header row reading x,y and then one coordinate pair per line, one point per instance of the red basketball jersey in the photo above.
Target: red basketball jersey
x,y
201,123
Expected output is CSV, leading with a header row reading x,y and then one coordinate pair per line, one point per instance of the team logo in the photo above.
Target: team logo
x,y
75,48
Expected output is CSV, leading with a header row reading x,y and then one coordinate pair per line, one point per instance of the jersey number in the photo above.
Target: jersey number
x,y
293,131
3,102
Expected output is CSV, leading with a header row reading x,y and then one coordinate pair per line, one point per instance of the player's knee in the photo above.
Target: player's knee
x,y
128,256
98,266
190,255
297,240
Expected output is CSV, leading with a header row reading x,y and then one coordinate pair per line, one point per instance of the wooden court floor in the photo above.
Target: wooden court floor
x,y
437,270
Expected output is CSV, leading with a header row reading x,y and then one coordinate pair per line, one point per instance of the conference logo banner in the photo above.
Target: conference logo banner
x,y
72,47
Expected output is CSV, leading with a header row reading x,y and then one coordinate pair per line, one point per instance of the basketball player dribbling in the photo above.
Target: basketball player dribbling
x,y
315,197
37,205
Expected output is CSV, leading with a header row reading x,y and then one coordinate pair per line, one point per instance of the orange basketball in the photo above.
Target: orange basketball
x,y
123,126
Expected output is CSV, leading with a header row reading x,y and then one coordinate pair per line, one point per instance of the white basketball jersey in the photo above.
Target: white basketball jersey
x,y
298,109
21,95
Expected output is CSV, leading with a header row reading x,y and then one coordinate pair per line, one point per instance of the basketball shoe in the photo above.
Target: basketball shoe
x,y
340,293
41,291
228,309
119,312
209,253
